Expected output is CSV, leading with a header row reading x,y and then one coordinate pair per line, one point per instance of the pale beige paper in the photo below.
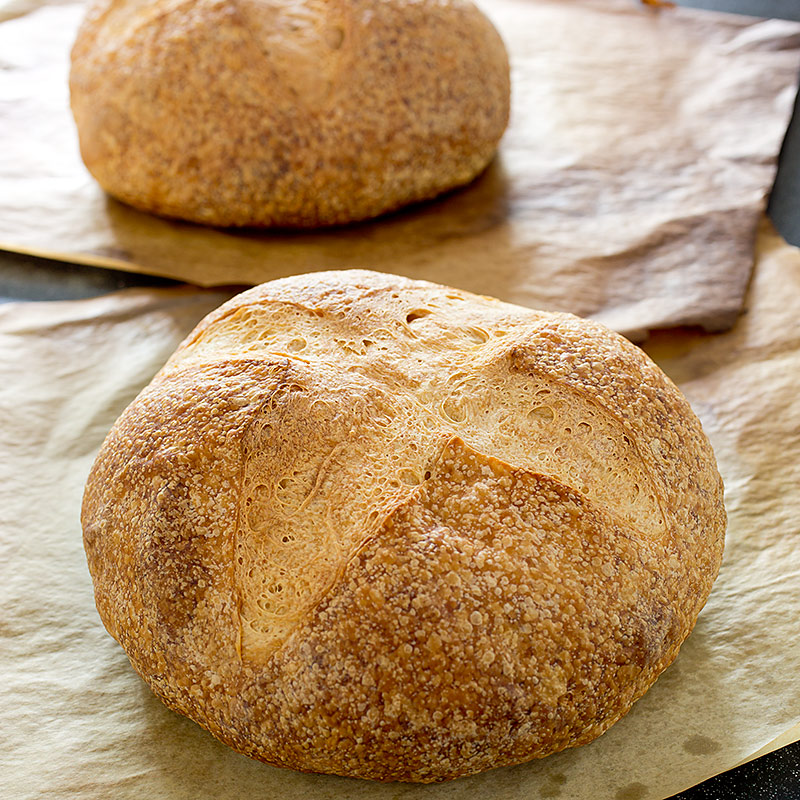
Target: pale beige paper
x,y
629,186
76,722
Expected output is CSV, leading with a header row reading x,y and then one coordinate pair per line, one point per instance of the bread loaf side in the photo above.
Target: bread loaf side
x,y
293,113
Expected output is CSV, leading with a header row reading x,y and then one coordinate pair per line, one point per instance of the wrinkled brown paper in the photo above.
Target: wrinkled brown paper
x,y
628,187
76,721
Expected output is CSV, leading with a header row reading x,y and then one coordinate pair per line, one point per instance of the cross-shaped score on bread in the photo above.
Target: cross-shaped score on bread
x,y
383,528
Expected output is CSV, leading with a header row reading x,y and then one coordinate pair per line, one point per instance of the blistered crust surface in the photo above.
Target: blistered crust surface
x,y
286,112
531,616
295,527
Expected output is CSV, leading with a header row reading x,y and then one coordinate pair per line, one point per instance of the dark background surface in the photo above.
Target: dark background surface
x,y
773,777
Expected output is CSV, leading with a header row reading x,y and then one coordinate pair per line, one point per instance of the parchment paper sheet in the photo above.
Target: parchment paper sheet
x,y
76,721
628,187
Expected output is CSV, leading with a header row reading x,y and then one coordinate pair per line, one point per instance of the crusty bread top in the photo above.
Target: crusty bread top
x,y
347,490
286,112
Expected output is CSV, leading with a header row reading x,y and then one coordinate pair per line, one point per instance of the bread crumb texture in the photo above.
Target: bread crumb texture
x,y
377,527
293,113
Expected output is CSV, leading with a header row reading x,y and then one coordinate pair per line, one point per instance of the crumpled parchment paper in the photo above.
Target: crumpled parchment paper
x,y
77,722
629,185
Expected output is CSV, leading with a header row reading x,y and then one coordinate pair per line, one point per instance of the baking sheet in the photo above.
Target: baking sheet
x,y
629,186
76,721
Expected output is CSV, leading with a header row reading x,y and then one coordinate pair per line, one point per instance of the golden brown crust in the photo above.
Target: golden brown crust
x,y
382,528
293,113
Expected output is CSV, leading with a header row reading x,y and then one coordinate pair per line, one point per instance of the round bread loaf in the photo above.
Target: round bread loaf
x,y
294,113
378,527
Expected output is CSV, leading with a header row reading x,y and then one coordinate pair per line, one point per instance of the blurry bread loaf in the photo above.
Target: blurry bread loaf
x,y
378,527
294,113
